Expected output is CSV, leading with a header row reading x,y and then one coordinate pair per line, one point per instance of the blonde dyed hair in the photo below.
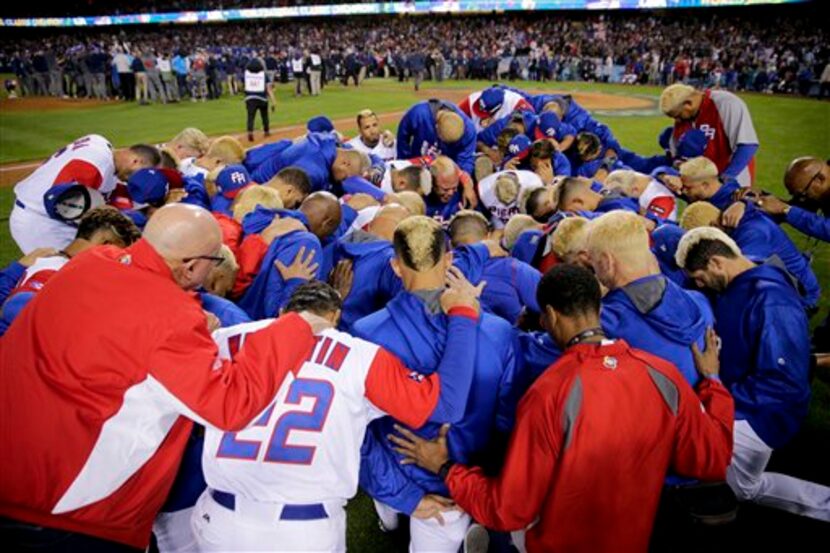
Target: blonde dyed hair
x,y
515,226
699,168
699,214
253,196
449,126
621,234
622,179
693,238
419,242
412,201
507,188
193,138
226,149
569,237
673,96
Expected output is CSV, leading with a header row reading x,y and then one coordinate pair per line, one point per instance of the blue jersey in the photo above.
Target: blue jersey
x,y
656,315
417,135
765,352
260,154
375,283
413,327
314,155
760,238
511,287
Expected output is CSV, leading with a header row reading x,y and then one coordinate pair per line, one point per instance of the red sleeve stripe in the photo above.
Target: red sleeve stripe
x,y
81,172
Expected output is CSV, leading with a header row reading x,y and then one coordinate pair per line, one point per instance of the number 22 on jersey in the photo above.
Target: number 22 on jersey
x,y
277,449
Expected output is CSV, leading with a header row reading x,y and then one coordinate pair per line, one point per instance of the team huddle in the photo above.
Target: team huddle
x,y
479,321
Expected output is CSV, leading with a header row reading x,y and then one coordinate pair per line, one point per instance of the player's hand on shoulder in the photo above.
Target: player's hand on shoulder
x,y
303,267
732,215
213,322
342,277
29,259
460,292
427,454
707,362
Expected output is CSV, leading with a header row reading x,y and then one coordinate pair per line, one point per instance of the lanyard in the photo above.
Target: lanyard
x,y
584,335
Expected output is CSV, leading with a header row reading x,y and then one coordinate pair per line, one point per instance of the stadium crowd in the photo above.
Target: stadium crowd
x,y
590,322
727,50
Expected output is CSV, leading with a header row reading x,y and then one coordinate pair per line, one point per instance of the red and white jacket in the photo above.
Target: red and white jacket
x,y
101,374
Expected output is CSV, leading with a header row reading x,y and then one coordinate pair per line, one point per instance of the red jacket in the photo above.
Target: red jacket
x,y
97,372
594,438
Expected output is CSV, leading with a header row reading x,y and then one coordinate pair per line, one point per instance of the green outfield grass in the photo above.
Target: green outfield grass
x,y
787,127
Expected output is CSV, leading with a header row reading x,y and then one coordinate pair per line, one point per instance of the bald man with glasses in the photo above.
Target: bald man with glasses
x,y
104,373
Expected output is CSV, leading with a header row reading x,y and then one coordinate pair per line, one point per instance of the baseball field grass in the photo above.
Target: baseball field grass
x,y
787,127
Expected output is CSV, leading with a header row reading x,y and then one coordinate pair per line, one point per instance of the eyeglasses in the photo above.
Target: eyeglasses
x,y
215,258
801,196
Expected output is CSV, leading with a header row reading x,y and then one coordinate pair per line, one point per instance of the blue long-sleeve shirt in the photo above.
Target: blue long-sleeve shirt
x,y
765,352
412,327
418,136
314,155
268,291
811,224
760,238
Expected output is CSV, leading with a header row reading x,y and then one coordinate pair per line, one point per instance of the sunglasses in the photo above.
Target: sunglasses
x,y
215,258
801,196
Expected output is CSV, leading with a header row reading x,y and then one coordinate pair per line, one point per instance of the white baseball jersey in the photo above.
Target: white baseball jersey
x,y
659,200
512,101
397,165
305,447
500,212
381,150
87,161
39,272
188,168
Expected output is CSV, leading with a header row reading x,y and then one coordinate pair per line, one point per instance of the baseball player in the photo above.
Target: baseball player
x,y
493,103
282,482
49,202
654,197
436,127
371,139
725,120
500,192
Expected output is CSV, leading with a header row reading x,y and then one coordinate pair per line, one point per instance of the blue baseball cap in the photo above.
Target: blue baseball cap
x,y
148,187
67,202
548,125
664,242
527,244
519,147
692,144
489,102
232,179
321,123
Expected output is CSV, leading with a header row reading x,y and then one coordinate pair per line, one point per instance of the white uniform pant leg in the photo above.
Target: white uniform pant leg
x,y
749,481
217,528
428,536
32,230
173,531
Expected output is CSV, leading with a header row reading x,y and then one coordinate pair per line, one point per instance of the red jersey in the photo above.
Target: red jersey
x,y
594,438
97,372
725,120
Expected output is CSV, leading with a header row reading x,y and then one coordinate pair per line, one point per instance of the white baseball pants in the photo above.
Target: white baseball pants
x,y
31,230
428,536
256,526
174,533
748,480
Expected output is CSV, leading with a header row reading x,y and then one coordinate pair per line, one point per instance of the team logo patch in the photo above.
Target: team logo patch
x,y
609,362
126,259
